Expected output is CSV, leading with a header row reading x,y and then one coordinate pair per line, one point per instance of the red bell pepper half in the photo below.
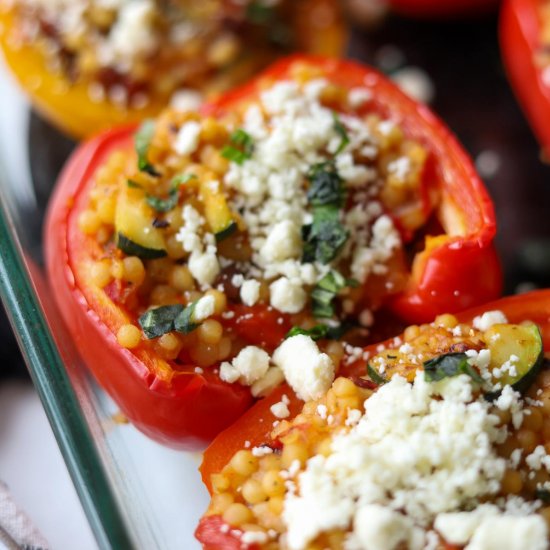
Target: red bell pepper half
x,y
442,8
255,426
182,408
520,42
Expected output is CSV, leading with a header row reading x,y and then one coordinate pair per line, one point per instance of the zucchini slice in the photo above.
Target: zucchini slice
x,y
216,210
136,234
522,341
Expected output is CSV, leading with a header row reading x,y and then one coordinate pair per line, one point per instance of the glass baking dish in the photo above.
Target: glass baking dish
x,y
136,493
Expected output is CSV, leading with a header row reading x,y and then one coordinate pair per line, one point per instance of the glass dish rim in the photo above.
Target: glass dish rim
x,y
56,392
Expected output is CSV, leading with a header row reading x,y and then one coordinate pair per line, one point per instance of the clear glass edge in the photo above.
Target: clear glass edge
x,y
57,393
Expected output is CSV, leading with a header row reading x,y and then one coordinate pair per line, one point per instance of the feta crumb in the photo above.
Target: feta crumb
x,y
280,410
273,377
254,537
308,371
250,292
287,296
187,138
488,319
228,373
263,450
251,363
186,100
204,308
204,267
357,97
283,242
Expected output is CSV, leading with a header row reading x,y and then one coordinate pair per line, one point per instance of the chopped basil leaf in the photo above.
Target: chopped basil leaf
x,y
160,320
342,132
184,321
449,365
164,319
326,185
319,332
241,148
133,185
375,376
180,179
163,205
324,293
142,140
325,237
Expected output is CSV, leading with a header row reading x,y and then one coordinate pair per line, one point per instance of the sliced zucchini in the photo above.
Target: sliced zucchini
x,y
375,376
136,234
216,211
227,232
521,341
131,248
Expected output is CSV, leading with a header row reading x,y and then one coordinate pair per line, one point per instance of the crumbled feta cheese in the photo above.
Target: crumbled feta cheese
x,y
287,296
204,308
254,537
308,371
357,97
263,450
424,449
204,267
186,100
252,364
488,319
283,242
187,139
228,373
250,292
505,532
280,410
273,377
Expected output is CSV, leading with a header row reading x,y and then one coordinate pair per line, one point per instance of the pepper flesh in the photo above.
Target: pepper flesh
x,y
520,30
256,425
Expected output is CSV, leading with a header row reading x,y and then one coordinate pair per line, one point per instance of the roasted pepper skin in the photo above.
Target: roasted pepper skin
x,y
256,425
520,29
185,409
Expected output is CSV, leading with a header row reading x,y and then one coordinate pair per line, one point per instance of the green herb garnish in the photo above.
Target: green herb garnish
x,y
326,186
164,319
325,237
163,205
180,179
340,129
543,494
142,140
449,365
160,320
324,292
241,148
319,332
133,185
184,321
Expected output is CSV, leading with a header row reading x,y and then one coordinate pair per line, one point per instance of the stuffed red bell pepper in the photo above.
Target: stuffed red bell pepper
x,y
525,44
422,439
181,254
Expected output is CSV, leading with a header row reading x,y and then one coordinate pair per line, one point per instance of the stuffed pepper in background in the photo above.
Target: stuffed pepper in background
x,y
92,64
182,254
434,439
525,44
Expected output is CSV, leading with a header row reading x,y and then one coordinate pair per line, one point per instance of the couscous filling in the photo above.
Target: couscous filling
x,y
296,211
